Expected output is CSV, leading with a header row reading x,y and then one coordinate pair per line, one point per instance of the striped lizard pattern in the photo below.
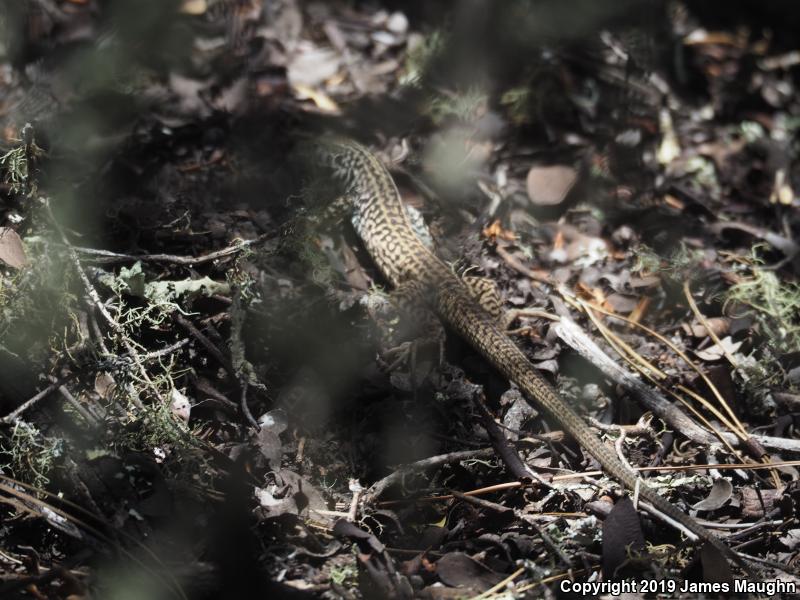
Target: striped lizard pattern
x,y
380,219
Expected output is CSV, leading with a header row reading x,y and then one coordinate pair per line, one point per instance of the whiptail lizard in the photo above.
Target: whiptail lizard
x,y
381,221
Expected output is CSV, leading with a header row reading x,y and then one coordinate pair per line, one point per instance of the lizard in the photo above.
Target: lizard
x,y
379,217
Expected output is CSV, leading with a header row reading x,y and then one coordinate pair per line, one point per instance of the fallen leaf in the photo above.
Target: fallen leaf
x,y
457,569
550,185
622,536
720,493
495,230
752,506
719,326
12,253
319,98
717,351
194,7
311,65
104,385
669,149
791,540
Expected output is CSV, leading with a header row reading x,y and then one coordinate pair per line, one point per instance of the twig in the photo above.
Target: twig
x,y
205,342
583,474
164,351
505,450
548,541
108,257
32,401
246,409
380,486
482,503
89,417
512,262
500,585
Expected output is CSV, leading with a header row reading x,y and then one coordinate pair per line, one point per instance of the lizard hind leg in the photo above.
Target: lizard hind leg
x,y
417,322
486,293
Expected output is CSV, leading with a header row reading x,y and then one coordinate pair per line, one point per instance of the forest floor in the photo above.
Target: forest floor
x,y
200,389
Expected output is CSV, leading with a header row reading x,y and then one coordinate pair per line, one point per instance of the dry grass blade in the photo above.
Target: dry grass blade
x,y
731,359
613,342
735,426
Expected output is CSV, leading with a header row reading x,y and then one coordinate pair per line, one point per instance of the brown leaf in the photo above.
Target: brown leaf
x,y
104,385
12,253
549,185
495,230
719,325
457,569
194,7
751,502
717,351
720,493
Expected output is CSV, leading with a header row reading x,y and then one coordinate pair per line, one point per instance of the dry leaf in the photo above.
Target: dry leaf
x,y
719,326
716,351
320,99
670,148
549,185
104,385
495,230
720,493
194,7
12,253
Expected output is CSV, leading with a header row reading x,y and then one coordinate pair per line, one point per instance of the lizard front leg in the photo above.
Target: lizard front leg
x,y
405,305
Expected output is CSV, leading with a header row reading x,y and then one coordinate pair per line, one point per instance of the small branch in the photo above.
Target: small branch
x,y
205,342
108,257
13,415
379,487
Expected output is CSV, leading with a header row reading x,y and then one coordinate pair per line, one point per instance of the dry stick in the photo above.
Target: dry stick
x,y
583,474
548,541
572,335
748,441
114,257
519,267
167,350
480,502
504,448
572,574
206,343
500,585
380,486
610,337
245,408
88,417
31,401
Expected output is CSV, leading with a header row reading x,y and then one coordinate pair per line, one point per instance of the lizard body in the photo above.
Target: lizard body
x,y
379,218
